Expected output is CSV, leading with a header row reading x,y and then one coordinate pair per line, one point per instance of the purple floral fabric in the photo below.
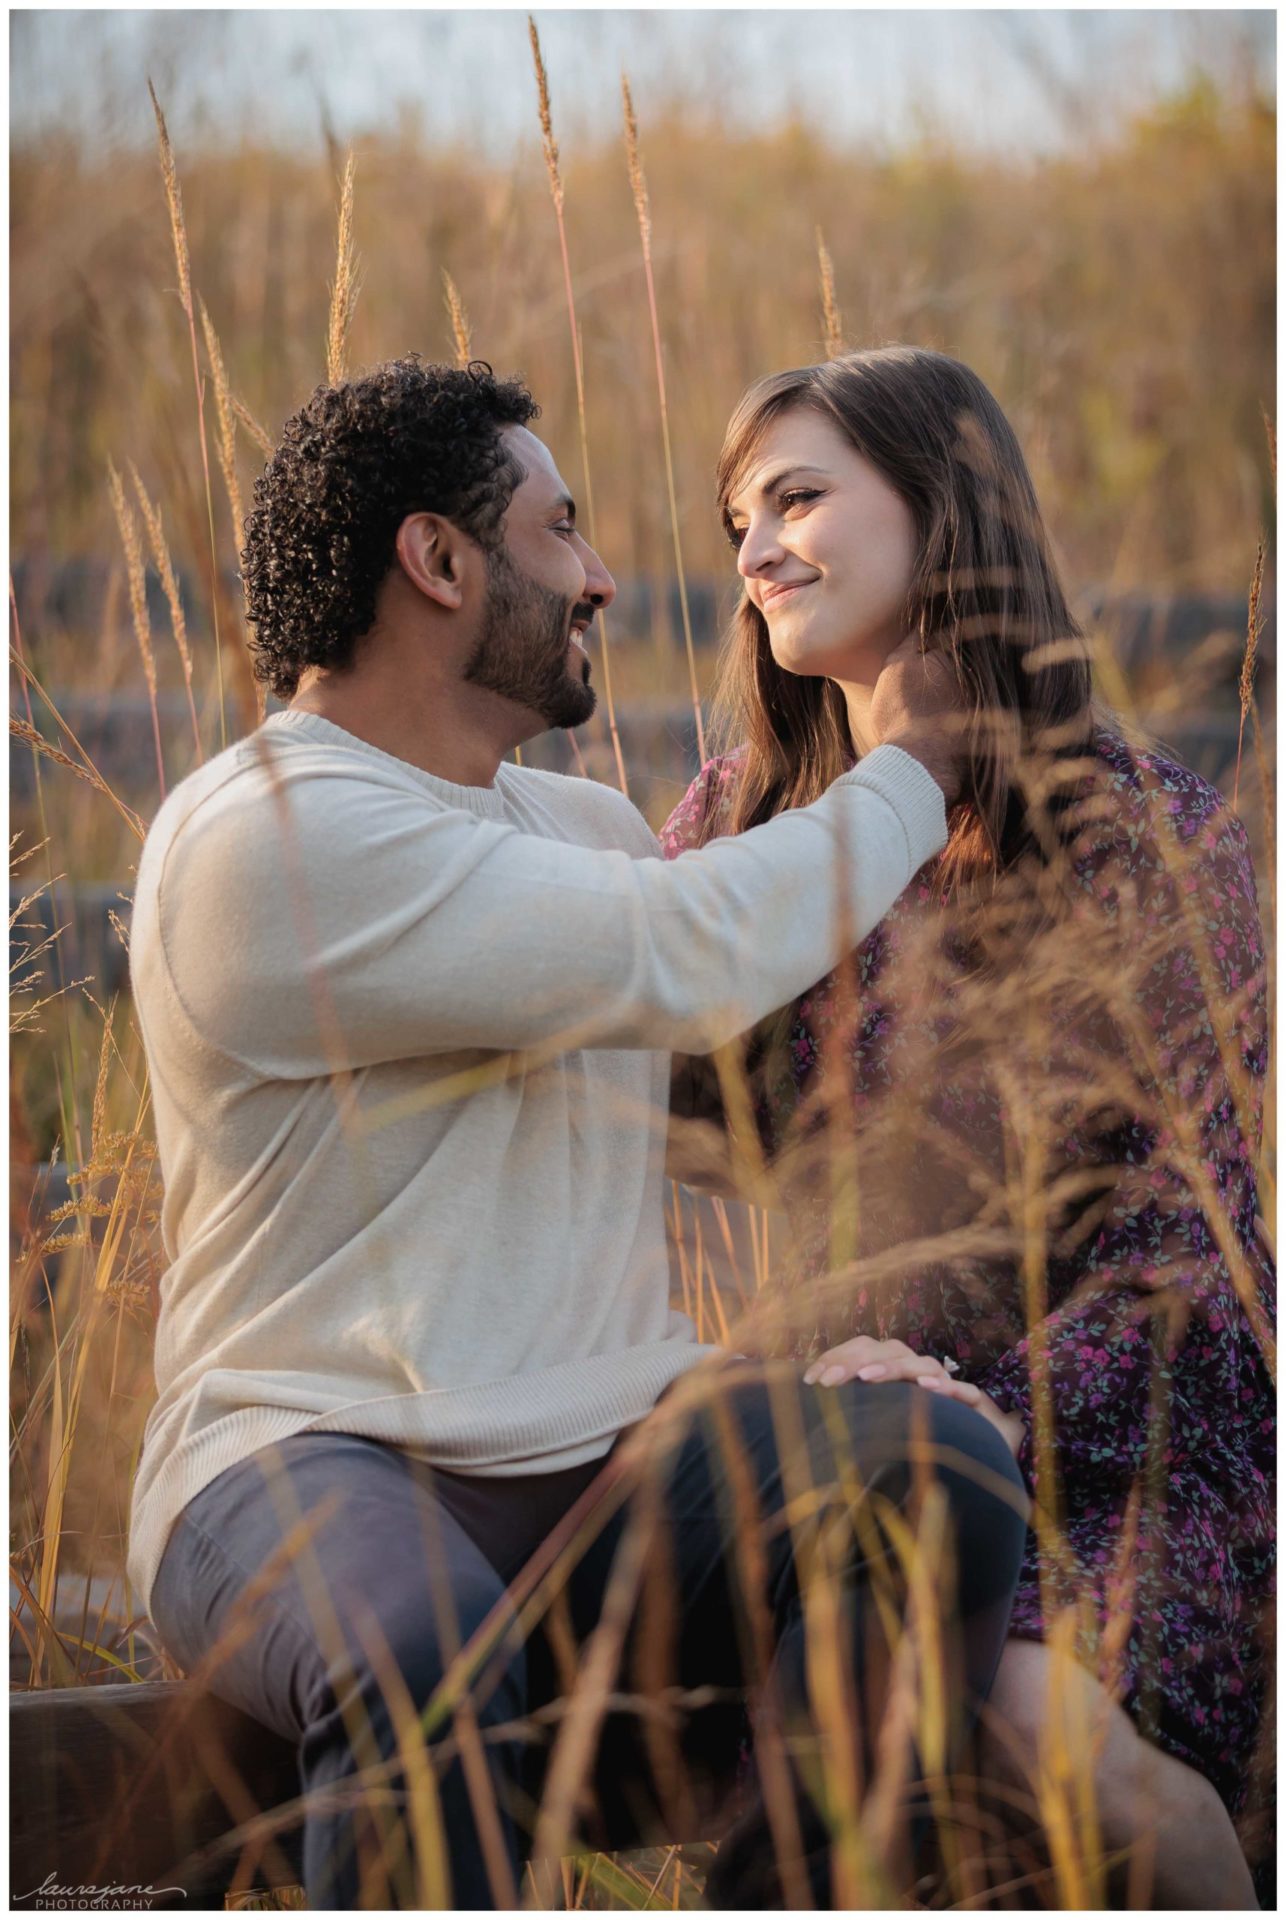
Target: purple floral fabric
x,y
1160,1461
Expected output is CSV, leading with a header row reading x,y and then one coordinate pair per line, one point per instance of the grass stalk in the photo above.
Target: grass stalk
x,y
261,438
226,415
164,565
554,171
344,289
135,574
69,1119
87,767
1246,682
638,183
178,229
459,319
830,306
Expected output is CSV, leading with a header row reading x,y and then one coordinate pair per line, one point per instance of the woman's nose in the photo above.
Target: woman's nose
x,y
760,548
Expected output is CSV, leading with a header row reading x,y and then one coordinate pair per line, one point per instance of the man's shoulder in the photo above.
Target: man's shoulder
x,y
199,791
270,796
253,773
585,811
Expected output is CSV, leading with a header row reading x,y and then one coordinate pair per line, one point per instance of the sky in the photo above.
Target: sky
x,y
1026,81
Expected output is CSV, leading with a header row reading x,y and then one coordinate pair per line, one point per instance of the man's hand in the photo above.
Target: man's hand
x,y
918,705
875,1362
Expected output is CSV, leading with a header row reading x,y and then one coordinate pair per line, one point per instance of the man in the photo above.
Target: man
x,y
407,1012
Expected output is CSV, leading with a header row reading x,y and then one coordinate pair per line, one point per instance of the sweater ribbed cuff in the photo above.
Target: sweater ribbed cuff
x,y
914,795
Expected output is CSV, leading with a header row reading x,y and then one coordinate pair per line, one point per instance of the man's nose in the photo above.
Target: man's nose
x,y
600,588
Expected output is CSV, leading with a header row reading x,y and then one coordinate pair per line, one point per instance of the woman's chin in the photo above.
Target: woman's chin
x,y
822,663
807,663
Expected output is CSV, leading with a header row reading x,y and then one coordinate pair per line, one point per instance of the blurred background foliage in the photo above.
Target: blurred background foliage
x,y
1119,299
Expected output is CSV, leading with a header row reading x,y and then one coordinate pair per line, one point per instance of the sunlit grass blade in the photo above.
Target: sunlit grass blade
x,y
164,565
226,411
830,306
554,171
344,288
638,184
178,229
459,319
1246,680
135,574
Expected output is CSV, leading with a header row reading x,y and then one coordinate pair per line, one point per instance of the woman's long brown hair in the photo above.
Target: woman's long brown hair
x,y
985,590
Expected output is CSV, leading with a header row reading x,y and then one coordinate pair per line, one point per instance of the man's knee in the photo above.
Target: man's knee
x,y
900,1438
419,1645
971,1446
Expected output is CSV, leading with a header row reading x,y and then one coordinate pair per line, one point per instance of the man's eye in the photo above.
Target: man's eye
x,y
564,526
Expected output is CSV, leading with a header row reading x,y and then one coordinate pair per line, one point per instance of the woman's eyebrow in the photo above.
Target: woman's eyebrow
x,y
770,486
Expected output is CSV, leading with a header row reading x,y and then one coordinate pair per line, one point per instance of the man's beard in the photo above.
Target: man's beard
x,y
521,652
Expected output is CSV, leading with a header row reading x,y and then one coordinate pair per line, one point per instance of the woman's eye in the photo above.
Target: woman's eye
x,y
797,496
563,526
736,535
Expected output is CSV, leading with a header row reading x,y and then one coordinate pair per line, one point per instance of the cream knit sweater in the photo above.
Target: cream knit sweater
x,y
408,1053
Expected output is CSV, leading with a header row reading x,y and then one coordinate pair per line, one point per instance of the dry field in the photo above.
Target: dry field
x,y
168,312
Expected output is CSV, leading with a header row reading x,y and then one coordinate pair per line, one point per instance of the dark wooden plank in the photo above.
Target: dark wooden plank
x,y
140,1785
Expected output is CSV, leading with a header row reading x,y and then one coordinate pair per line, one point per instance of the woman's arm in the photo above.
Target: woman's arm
x,y
370,927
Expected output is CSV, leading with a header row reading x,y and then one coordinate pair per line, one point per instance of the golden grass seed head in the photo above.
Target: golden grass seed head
x,y
830,305
344,291
174,201
227,441
459,321
135,573
634,161
548,142
165,568
260,435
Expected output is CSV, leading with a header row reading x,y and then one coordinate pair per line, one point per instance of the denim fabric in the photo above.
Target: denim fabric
x,y
336,1639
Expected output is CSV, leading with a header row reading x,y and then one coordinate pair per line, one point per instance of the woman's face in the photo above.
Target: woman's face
x,y
826,547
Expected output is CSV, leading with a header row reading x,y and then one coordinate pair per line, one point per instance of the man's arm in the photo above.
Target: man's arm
x,y
371,929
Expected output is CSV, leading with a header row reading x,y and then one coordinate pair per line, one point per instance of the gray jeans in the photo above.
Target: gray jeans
x,y
339,1640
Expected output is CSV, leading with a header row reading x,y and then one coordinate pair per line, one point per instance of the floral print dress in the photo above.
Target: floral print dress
x,y
1139,1374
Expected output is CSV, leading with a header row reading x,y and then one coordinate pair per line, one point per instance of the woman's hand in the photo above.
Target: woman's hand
x,y
879,1361
867,1359
918,704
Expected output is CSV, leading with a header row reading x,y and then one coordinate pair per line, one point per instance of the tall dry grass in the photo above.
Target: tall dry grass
x,y
1136,381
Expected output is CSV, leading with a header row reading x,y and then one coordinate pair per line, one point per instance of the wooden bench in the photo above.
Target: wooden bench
x,y
158,1785
142,1786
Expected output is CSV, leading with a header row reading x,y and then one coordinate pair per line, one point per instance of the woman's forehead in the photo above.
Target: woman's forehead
x,y
798,438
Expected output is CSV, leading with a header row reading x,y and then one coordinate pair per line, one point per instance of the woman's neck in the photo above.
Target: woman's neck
x,y
857,698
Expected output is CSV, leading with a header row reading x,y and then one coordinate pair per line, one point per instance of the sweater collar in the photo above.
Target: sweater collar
x,y
293,721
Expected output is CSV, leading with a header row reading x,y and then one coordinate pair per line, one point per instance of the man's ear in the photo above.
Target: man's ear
x,y
433,554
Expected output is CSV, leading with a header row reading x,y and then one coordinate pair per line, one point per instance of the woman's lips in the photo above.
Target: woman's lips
x,y
772,596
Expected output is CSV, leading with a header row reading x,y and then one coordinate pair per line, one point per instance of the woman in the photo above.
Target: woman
x,y
1016,1137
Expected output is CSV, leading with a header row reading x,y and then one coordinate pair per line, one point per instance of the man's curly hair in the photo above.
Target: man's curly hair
x,y
408,437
